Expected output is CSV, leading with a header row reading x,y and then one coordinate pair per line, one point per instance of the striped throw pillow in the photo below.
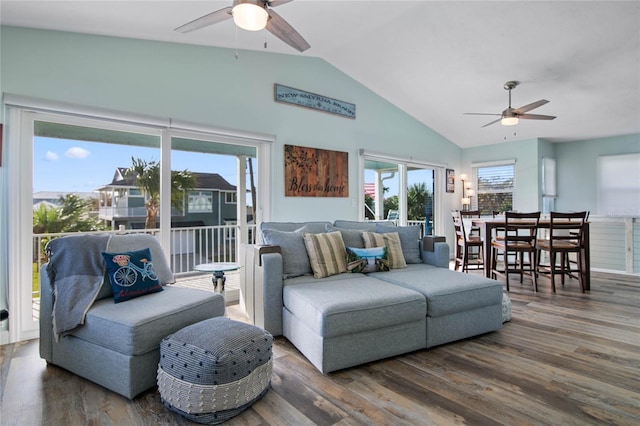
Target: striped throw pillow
x,y
327,253
394,248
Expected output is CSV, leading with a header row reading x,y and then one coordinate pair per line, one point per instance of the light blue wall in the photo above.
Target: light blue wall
x,y
208,85
577,169
525,152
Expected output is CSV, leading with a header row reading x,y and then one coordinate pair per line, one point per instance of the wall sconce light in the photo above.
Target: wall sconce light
x,y
470,194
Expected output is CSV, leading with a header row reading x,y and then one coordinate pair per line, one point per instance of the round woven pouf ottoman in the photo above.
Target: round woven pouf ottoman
x,y
213,370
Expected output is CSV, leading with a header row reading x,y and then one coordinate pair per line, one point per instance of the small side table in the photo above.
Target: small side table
x,y
218,270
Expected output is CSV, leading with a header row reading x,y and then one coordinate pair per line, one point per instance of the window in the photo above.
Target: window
x,y
400,190
494,183
200,202
548,185
619,185
231,198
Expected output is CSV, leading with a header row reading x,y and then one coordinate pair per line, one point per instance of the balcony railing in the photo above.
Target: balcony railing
x,y
189,246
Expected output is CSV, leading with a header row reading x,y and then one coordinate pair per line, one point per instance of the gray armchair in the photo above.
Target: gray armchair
x,y
118,345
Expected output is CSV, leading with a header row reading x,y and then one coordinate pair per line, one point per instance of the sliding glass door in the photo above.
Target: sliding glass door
x,y
400,191
74,174
213,219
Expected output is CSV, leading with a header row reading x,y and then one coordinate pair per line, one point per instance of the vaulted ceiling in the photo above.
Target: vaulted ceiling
x,y
435,60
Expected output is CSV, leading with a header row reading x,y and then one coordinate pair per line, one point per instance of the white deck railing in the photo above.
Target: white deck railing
x,y
189,246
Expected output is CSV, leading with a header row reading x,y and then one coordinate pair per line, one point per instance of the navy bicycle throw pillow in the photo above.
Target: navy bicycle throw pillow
x,y
131,274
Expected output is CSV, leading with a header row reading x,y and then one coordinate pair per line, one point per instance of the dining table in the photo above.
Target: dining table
x,y
488,225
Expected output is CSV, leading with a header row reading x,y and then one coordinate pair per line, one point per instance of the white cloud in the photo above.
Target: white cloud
x,y
77,152
51,156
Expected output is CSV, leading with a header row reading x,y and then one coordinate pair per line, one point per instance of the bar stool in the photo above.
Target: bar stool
x,y
565,237
520,237
471,214
464,243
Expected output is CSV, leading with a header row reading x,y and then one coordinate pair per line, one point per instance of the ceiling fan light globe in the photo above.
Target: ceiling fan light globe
x,y
250,16
509,121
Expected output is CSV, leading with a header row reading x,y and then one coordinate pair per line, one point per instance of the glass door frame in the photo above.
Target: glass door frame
x,y
21,115
403,166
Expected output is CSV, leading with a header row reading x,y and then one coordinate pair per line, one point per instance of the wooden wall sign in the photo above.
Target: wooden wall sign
x,y
311,172
289,95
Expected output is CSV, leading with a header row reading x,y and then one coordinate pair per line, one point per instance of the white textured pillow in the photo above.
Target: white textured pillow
x,y
327,253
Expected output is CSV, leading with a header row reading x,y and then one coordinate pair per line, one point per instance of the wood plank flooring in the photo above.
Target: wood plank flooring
x,y
564,359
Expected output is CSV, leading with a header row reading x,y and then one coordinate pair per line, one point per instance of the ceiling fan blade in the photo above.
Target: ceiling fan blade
x,y
206,20
493,122
479,113
285,32
536,116
274,3
531,106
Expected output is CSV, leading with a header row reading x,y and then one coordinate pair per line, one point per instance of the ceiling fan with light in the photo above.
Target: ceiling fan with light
x,y
252,15
511,116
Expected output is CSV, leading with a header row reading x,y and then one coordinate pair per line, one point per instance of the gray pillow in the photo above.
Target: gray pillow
x,y
352,224
295,261
351,237
409,237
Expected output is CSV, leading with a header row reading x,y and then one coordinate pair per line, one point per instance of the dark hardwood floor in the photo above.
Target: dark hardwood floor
x,y
564,359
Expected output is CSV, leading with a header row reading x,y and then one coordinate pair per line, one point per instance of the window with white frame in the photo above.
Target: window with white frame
x,y
200,202
401,190
494,184
231,198
549,192
619,185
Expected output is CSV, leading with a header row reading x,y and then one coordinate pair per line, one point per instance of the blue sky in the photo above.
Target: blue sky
x,y
61,165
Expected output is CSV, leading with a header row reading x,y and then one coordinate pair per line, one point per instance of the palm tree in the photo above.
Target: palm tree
x,y
73,215
147,179
390,203
418,196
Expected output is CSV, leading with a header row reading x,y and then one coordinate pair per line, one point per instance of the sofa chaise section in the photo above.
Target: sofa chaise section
x,y
351,319
458,305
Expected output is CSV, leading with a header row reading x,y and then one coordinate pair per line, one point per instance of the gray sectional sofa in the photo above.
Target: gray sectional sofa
x,y
347,319
118,346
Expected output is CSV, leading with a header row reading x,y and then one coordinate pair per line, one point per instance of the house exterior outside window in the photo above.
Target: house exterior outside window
x,y
122,203
231,198
200,202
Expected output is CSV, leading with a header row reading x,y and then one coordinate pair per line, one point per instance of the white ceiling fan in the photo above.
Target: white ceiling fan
x,y
252,15
511,116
